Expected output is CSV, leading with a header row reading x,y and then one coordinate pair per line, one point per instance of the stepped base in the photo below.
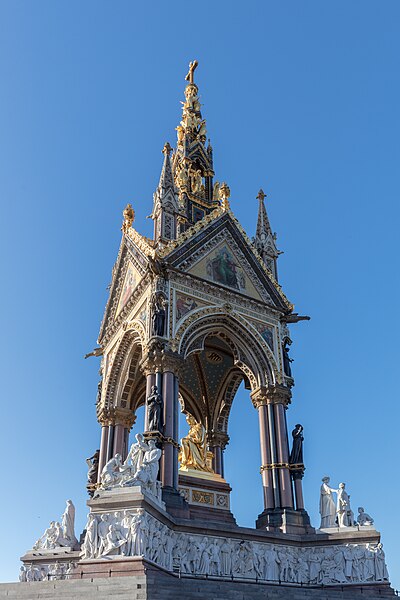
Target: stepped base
x,y
286,520
156,585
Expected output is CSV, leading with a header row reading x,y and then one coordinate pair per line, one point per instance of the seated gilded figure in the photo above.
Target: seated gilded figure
x,y
193,453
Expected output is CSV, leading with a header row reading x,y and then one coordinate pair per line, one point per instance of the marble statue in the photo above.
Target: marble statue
x,y
158,314
296,455
111,473
93,464
137,533
68,524
22,574
134,459
363,518
193,453
89,546
147,473
154,410
343,510
327,508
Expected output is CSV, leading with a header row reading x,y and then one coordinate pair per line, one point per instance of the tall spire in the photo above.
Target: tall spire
x,y
265,240
165,202
193,161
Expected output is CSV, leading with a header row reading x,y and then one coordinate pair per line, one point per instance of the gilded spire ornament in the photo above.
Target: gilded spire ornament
x,y
224,193
192,67
129,216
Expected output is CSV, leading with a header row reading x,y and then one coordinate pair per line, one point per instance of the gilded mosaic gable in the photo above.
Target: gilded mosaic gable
x,y
223,266
132,278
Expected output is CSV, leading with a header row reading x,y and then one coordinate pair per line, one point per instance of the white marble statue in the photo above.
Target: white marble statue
x,y
68,524
59,534
327,507
89,546
134,459
135,532
22,574
343,510
146,475
363,518
111,473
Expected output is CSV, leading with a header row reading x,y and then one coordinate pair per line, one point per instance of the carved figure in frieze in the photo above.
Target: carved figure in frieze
x,y
193,453
102,530
272,564
215,558
381,572
327,507
315,565
154,410
296,455
89,547
114,540
22,574
226,557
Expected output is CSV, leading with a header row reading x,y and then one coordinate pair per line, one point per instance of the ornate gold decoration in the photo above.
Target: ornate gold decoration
x,y
203,497
129,215
224,193
193,454
192,67
274,466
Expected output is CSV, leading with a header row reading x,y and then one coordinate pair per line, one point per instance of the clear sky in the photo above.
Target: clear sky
x,y
301,98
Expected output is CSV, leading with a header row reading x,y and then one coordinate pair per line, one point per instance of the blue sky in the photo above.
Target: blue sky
x,y
302,99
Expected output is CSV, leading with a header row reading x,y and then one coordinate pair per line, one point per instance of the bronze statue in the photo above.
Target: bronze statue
x,y
93,464
286,360
296,455
158,316
154,410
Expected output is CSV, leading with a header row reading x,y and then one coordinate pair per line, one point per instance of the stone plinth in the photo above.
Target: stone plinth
x,y
208,496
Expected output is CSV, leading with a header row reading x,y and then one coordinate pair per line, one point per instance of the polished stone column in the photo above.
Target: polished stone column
x,y
270,491
217,442
298,489
273,454
103,450
150,381
168,463
119,438
282,445
110,442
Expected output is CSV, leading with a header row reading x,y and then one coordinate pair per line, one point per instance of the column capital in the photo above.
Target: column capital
x,y
116,415
276,394
217,438
162,361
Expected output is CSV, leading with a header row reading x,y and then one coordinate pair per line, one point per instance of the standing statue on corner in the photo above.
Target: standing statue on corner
x,y
286,359
296,455
327,507
93,464
158,314
154,410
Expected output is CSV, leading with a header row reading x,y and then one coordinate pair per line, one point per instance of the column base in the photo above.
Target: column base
x,y
286,520
176,504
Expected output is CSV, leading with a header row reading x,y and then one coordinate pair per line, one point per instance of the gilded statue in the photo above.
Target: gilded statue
x,y
193,453
129,215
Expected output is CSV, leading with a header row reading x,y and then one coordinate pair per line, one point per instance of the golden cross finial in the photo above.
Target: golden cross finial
x,y
261,195
192,67
167,149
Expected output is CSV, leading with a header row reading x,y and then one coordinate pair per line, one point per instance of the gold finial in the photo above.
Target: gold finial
x,y
192,67
167,149
129,215
224,193
261,195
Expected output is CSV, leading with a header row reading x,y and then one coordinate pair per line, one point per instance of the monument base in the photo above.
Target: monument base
x,y
208,496
156,585
285,520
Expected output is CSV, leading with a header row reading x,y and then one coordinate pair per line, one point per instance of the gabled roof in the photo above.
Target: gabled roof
x,y
179,253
